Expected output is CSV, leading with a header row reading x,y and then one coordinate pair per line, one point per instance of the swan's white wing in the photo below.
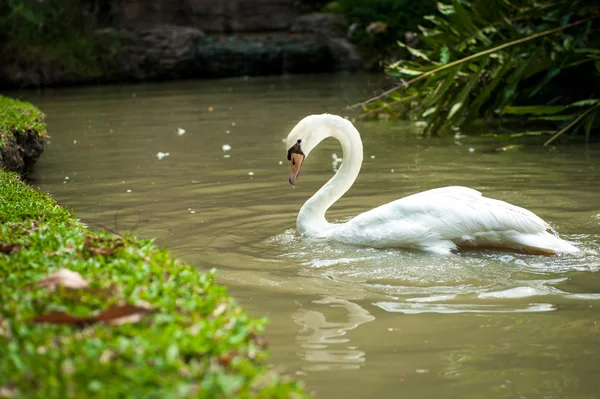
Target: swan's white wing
x,y
443,217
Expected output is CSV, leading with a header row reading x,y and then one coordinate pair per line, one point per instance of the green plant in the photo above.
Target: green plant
x,y
490,59
57,32
90,314
379,24
19,117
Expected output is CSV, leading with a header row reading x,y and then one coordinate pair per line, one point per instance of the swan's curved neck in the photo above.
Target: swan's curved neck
x,y
311,218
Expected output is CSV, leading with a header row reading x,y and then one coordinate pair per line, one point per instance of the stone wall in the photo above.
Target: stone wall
x,y
212,16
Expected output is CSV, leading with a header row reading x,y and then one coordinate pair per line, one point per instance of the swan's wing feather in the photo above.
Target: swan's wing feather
x,y
449,213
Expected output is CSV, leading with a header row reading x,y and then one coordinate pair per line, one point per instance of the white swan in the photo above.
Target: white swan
x,y
439,220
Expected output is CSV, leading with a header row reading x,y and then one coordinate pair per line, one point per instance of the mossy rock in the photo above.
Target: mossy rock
x,y
22,134
94,315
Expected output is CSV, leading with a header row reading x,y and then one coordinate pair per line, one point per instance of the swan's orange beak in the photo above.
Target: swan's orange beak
x,y
296,160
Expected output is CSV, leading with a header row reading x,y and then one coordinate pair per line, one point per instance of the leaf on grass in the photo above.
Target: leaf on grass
x,y
61,318
115,315
122,314
7,248
63,278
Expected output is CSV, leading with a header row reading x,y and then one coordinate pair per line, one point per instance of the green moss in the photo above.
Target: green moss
x,y
19,117
196,342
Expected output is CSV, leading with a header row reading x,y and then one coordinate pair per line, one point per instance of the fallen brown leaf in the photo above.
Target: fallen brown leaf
x,y
122,314
104,251
7,248
61,318
115,315
63,278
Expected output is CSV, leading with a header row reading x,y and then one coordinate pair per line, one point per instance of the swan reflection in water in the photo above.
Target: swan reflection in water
x,y
320,339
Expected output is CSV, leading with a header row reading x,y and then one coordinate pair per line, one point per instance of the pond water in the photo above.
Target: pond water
x,y
352,322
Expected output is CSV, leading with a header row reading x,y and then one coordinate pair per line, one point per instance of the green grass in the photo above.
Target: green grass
x,y
19,117
190,340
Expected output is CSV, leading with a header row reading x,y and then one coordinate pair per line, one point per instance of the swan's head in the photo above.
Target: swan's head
x,y
305,136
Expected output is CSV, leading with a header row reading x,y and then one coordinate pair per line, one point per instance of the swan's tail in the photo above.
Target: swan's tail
x,y
544,243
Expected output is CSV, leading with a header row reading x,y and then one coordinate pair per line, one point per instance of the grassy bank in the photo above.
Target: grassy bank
x,y
90,314
22,134
18,118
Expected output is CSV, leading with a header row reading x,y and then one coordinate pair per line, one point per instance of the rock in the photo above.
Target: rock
x,y
327,24
174,52
223,16
44,74
156,54
160,52
19,152
263,56
345,55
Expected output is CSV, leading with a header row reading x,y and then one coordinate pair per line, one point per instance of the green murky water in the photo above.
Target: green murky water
x,y
352,322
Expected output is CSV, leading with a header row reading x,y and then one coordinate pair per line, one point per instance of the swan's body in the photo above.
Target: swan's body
x,y
439,220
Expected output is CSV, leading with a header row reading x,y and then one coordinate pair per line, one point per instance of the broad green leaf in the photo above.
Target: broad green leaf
x,y
515,78
464,94
445,8
549,76
428,32
414,51
583,103
406,71
428,112
555,118
454,109
533,109
447,83
444,55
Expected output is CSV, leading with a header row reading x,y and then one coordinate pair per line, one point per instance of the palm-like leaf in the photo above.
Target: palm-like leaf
x,y
484,60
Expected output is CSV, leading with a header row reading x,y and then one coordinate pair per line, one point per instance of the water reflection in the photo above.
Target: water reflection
x,y
322,340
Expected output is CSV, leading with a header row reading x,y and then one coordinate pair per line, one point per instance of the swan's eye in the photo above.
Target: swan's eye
x,y
299,141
